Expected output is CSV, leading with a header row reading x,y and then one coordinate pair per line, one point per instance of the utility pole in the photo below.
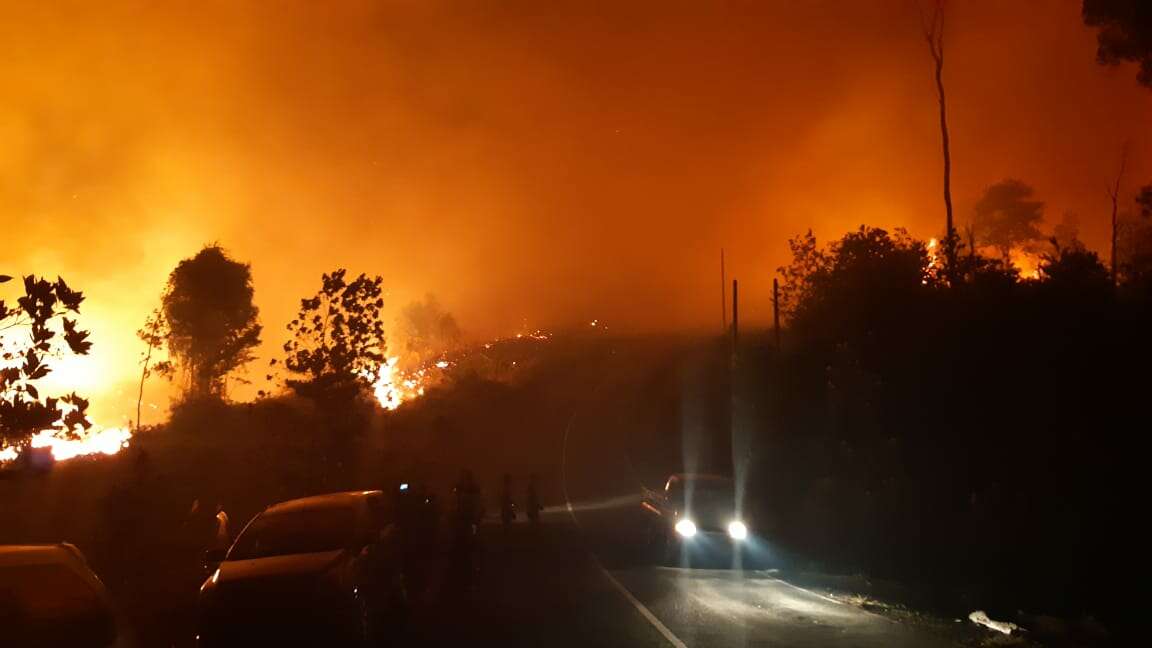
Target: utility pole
x,y
723,295
735,317
776,311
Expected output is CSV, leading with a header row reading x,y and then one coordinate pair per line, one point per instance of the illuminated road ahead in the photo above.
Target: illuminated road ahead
x,y
580,578
694,607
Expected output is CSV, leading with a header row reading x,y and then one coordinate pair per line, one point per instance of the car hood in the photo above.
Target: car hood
x,y
294,566
278,594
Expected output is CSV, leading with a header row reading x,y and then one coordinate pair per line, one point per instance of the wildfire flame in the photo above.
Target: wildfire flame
x,y
933,259
105,441
1027,263
394,386
94,441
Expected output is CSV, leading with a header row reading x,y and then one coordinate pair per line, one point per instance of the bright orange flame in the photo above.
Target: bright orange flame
x,y
933,259
105,441
94,441
1028,264
394,386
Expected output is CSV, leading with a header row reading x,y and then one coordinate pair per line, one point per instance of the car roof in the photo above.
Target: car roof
x,y
40,554
335,500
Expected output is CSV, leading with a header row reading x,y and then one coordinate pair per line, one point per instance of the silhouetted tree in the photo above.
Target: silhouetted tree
x,y
1076,272
338,337
1125,33
1135,245
1005,217
153,334
933,29
42,314
807,258
212,325
865,277
428,329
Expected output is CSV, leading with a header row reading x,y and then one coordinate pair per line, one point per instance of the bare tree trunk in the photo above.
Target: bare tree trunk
x,y
934,34
1114,194
143,376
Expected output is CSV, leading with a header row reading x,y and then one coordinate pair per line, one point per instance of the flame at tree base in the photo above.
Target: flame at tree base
x,y
394,386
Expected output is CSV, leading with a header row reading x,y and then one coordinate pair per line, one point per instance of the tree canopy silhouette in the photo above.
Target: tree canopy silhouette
x,y
843,293
1135,246
212,322
1006,217
338,337
1076,271
1125,33
42,313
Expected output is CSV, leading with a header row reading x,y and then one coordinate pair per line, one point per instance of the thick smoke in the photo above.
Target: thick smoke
x,y
530,164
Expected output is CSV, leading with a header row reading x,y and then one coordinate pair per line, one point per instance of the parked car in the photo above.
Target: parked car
x,y
322,570
50,598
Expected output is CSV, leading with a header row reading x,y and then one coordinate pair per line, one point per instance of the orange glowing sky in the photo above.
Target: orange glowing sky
x,y
538,162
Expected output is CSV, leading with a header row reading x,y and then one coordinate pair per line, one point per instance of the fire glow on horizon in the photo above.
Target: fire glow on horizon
x,y
392,388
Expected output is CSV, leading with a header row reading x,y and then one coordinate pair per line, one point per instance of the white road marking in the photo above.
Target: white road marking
x,y
640,607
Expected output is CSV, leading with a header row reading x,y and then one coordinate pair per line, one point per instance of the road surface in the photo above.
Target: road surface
x,y
580,579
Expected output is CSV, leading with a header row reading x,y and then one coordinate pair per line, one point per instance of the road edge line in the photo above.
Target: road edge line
x,y
640,607
651,618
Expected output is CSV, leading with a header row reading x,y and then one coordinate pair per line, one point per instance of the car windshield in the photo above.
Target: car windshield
x,y
296,531
703,493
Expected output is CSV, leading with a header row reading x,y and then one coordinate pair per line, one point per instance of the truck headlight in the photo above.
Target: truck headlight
x,y
686,528
737,530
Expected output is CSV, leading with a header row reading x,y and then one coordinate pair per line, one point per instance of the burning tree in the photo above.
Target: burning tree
x,y
338,337
42,313
211,320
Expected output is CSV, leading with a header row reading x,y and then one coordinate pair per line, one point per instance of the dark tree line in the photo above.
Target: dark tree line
x,y
976,431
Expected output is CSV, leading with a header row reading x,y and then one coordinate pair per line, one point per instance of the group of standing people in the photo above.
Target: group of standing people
x,y
469,502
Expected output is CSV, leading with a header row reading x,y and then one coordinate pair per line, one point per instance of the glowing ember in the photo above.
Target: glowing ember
x,y
8,454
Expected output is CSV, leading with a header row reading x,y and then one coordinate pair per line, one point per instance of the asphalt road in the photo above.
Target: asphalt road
x,y
581,578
